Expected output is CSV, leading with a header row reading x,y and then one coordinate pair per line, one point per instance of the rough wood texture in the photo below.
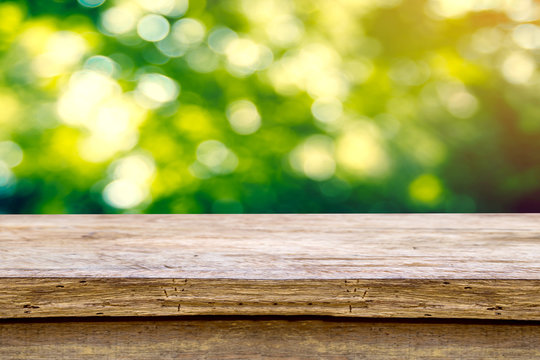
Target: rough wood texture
x,y
265,338
448,266
482,299
273,247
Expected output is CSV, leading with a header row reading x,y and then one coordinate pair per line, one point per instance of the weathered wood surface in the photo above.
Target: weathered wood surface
x,y
256,338
482,299
272,247
448,266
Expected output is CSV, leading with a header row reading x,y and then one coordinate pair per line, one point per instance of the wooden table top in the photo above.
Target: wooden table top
x,y
270,247
399,265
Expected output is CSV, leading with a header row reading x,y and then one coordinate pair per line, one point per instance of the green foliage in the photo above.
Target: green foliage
x,y
160,106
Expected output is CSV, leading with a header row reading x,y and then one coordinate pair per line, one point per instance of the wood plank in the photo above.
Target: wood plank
x,y
481,299
448,266
264,338
269,247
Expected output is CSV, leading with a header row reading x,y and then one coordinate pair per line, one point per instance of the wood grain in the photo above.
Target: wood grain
x,y
447,266
272,247
386,298
263,338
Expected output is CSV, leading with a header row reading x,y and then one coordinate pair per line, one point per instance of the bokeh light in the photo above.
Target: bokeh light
x,y
244,117
154,90
120,19
188,31
91,3
269,106
153,27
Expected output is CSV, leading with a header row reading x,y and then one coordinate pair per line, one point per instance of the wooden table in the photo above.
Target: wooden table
x,y
270,286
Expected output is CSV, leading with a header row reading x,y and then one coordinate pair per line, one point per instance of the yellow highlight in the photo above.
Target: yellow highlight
x,y
314,158
10,107
163,148
426,188
64,144
447,63
359,150
195,122
63,147
12,16
92,38
36,36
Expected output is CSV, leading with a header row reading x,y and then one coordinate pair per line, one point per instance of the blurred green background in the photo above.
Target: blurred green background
x,y
266,106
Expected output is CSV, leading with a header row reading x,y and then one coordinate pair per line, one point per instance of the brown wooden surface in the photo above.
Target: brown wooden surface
x,y
256,338
481,299
458,266
490,246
